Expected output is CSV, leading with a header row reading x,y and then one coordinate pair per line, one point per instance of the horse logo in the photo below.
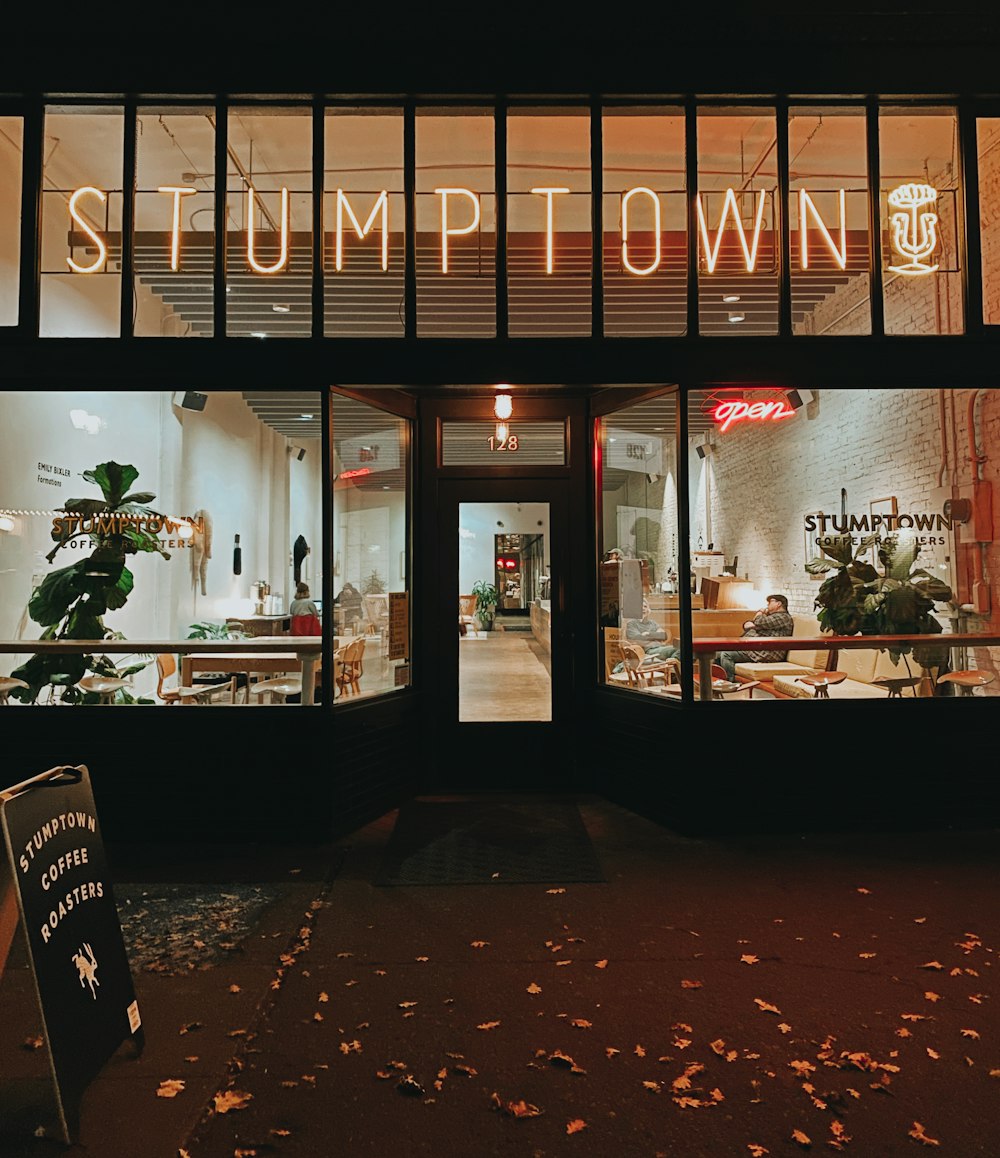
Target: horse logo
x,y
87,968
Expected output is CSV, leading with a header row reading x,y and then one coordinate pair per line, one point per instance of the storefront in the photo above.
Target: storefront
x,y
594,376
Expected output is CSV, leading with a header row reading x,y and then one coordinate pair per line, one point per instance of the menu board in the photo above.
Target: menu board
x,y
399,624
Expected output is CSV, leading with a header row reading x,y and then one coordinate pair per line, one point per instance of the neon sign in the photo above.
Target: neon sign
x,y
728,412
914,233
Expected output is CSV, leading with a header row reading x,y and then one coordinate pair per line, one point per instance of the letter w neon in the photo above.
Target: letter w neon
x,y
730,206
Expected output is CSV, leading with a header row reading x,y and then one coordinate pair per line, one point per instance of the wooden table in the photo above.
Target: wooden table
x,y
245,662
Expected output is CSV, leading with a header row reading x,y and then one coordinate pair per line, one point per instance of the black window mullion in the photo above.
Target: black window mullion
x,y
972,267
784,223
318,232
410,215
29,289
691,183
596,221
500,184
126,264
221,219
874,218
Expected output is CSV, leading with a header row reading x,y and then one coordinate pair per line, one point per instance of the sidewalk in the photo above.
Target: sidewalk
x,y
715,996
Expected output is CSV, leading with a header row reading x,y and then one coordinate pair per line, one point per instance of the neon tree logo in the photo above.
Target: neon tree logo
x,y
730,410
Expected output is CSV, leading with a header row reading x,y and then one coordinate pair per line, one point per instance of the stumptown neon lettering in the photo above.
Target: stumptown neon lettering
x,y
913,227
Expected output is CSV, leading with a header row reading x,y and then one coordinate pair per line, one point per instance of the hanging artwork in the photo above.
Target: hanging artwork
x,y
201,550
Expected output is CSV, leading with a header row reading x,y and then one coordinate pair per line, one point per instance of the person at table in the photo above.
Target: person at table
x,y
651,635
772,619
304,613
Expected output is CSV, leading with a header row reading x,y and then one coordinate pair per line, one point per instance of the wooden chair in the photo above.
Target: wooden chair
x,y
723,686
349,666
7,685
641,674
175,693
466,614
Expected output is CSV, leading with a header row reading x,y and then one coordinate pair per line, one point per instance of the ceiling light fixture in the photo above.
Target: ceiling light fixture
x,y
503,406
279,308
730,297
737,316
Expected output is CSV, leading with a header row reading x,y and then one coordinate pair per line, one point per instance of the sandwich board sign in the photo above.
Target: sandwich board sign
x,y
59,875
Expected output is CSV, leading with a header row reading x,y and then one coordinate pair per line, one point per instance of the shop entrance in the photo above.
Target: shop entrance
x,y
502,706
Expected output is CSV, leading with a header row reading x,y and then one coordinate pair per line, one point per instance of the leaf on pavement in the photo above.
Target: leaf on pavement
x,y
969,1033
785,1027
533,988
581,1023
410,1086
749,959
479,944
36,1041
552,892
766,1006
488,1025
932,1053
932,996
601,964
406,1004
576,1126
654,1086
691,984
802,1139
757,1151
518,1109
227,1100
802,1068
610,1051
913,1016
932,965
921,1136
170,1088
865,891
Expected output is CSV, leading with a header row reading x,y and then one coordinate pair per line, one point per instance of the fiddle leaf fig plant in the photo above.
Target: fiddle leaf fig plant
x,y
856,598
71,602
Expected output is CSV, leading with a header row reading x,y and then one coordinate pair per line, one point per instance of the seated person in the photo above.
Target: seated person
x,y
773,619
651,635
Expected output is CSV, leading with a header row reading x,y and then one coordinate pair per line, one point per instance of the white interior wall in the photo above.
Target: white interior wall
x,y
477,524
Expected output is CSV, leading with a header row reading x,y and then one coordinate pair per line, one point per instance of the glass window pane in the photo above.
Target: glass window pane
x,y
371,610
828,208
988,151
81,223
920,205
549,234
637,578
269,226
644,223
11,148
210,464
456,224
738,254
849,478
364,223
175,223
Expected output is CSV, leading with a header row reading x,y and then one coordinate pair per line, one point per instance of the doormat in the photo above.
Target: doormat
x,y
489,842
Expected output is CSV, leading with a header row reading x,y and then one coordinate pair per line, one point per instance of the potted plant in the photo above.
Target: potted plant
x,y
71,603
486,600
856,599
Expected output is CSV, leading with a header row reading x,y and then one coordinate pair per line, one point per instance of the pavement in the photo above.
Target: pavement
x,y
761,994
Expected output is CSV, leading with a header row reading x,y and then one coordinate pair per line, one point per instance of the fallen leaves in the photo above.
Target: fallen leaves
x,y
749,959
685,984
766,1006
800,1137
969,1033
575,1126
227,1100
929,996
603,964
169,1088
479,944
488,1025
920,1134
533,988
515,1109
35,1041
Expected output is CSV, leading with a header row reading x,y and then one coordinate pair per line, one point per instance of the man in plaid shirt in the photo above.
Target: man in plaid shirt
x,y
771,620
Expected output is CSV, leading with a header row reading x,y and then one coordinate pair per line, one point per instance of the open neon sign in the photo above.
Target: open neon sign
x,y
730,411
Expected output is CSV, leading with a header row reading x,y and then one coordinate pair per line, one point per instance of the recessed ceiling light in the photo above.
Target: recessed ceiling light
x,y
737,316
281,309
730,297
258,334
303,417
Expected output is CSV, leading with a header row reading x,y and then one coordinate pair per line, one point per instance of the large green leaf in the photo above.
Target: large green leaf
x,y
113,478
117,595
142,497
83,623
839,547
56,593
85,507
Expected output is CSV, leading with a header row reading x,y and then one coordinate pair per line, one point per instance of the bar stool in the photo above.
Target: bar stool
x,y
967,681
823,682
895,684
104,687
7,685
283,686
